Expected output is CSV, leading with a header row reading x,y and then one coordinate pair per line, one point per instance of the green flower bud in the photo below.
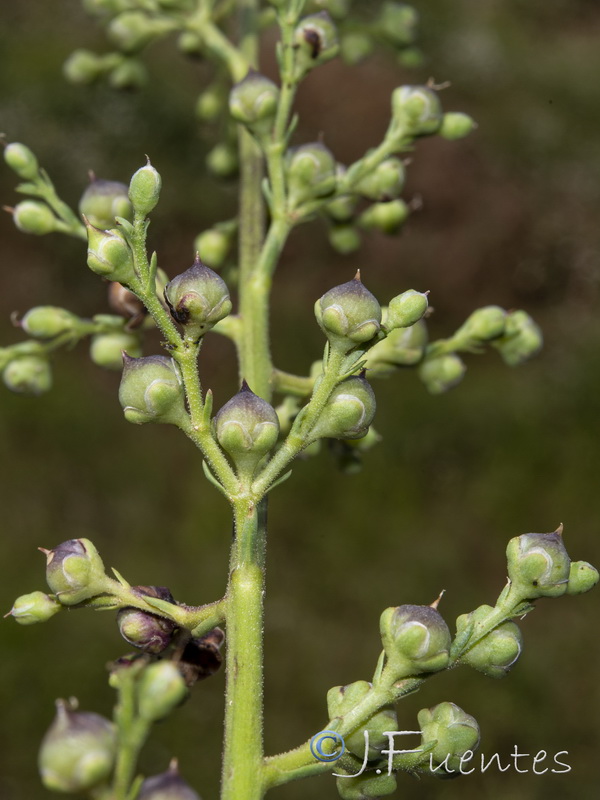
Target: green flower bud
x,y
78,751
106,349
355,47
456,125
222,161
161,688
31,216
398,23
35,607
442,373
455,731
538,564
151,390
315,41
144,189
167,786
417,109
102,201
498,651
133,30
337,8
385,217
415,639
246,427
483,325
402,347
212,247
342,208
406,309
385,182
210,104
349,311
129,74
344,239
522,339
582,577
366,786
311,173
21,160
74,571
253,102
342,699
82,67
198,299
349,411
28,375
109,255
190,44
149,632
46,322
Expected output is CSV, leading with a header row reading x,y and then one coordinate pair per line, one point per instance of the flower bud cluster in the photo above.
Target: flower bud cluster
x,y
342,699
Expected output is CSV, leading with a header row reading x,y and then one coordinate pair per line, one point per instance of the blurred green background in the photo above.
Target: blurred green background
x,y
509,217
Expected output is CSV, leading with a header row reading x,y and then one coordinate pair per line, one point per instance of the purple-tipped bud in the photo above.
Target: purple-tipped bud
x,y
74,571
167,786
350,312
78,751
151,390
198,299
416,639
538,564
149,632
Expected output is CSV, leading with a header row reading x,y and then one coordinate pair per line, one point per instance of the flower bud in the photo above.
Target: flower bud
x,y
442,373
144,189
82,67
149,632
417,110
355,47
315,42
133,30
342,699
78,751
342,208
406,309
130,74
582,577
201,657
246,427
456,125
160,689
311,173
365,785
455,731
46,322
253,102
349,411
222,161
385,217
344,239
198,299
126,304
151,390
538,564
402,347
21,160
416,639
28,375
483,325
385,182
398,23
210,104
109,255
522,339
349,311
167,786
338,9
31,216
74,571
35,607
497,652
106,349
102,201
212,247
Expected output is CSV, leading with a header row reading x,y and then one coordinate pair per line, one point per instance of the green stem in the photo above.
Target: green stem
x,y
243,746
297,385
132,733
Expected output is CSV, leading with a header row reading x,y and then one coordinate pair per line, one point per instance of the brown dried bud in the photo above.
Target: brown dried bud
x,y
201,657
125,303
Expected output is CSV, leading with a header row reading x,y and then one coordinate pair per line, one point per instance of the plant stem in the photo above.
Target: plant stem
x,y
133,731
243,747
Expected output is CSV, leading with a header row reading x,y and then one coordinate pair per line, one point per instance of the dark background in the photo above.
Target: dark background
x,y
509,217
